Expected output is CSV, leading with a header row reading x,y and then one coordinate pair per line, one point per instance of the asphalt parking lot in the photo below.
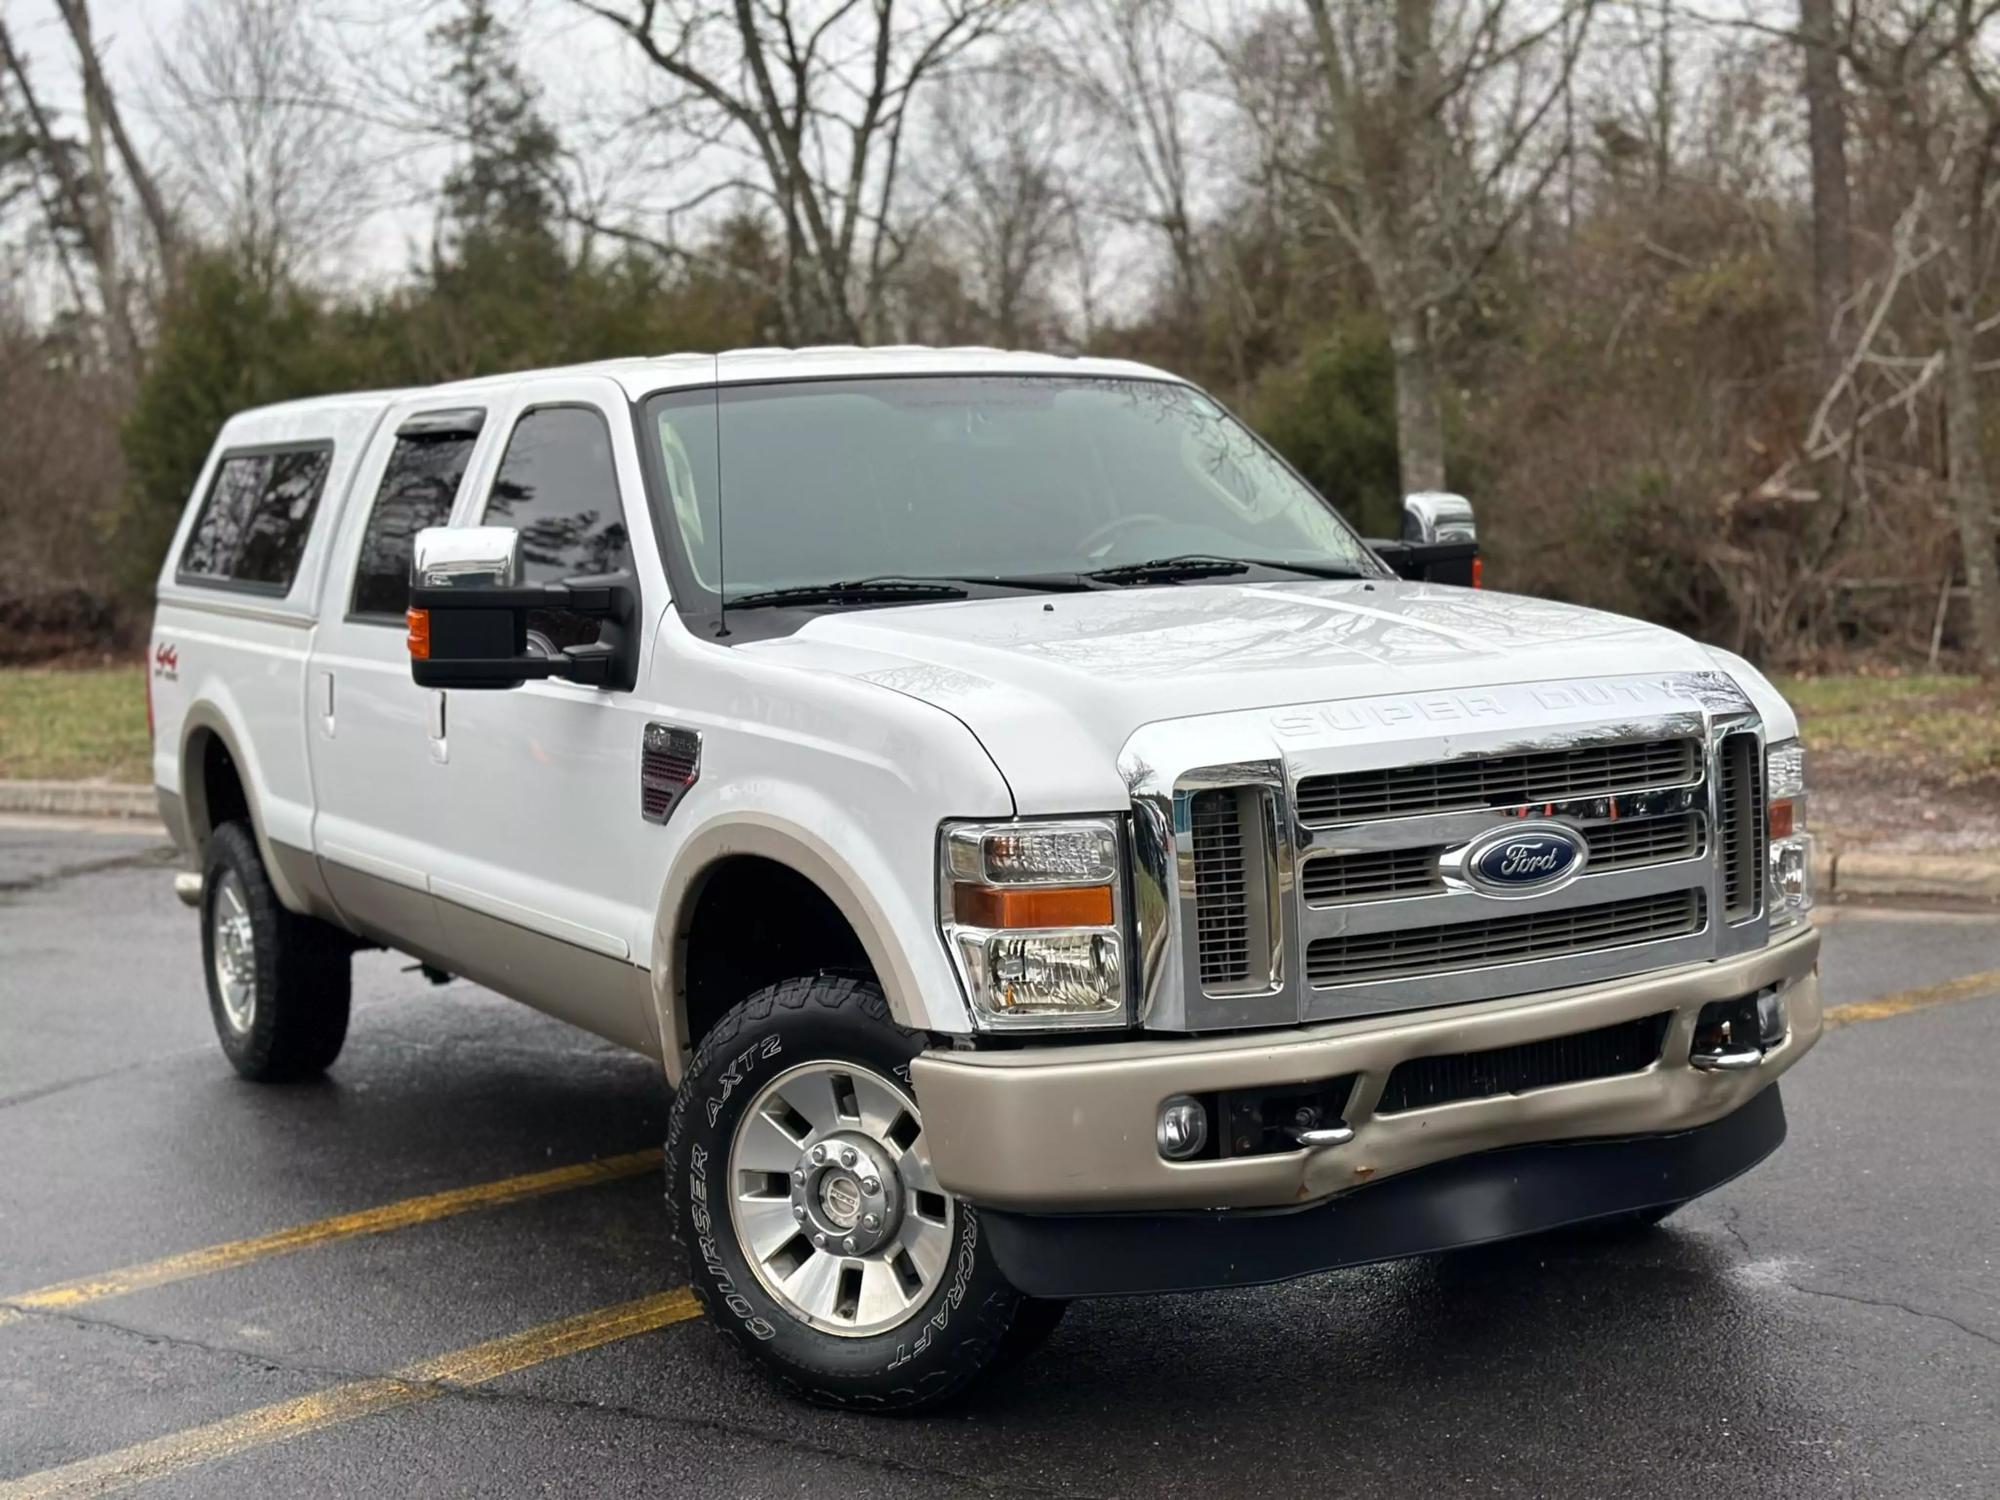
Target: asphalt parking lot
x,y
1829,1325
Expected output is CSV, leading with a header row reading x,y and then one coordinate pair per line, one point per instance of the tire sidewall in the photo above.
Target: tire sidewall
x,y
231,850
947,1342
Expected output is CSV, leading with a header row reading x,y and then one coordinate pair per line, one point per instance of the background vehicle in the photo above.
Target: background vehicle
x,y
1047,850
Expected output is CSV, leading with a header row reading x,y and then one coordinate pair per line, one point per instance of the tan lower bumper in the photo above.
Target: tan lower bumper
x,y
1071,1129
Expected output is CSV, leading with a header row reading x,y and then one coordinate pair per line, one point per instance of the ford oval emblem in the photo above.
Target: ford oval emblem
x,y
1520,861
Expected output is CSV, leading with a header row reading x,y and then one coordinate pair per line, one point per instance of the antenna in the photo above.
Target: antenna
x,y
721,545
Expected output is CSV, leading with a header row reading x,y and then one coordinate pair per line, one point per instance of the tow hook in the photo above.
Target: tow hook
x,y
1732,1036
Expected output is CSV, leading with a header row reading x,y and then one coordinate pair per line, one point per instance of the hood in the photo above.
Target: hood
x,y
1054,684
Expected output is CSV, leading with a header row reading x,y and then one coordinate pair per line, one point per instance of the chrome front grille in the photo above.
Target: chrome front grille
x,y
1477,782
1320,862
1221,887
1405,952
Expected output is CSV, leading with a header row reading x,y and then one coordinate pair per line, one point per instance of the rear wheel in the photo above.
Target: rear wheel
x,y
278,983
820,1240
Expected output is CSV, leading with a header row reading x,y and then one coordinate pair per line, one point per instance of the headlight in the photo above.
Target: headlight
x,y
1790,882
1034,916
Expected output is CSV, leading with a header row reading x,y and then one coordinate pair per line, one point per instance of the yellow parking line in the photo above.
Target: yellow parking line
x,y
284,1420
398,1215
1902,1002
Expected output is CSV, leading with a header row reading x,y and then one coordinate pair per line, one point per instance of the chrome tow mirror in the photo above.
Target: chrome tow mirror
x,y
1434,516
469,613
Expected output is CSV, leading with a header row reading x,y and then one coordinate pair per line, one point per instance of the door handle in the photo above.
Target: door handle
x,y
326,703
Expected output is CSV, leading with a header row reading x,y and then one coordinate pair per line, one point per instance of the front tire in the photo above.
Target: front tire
x,y
279,984
819,1241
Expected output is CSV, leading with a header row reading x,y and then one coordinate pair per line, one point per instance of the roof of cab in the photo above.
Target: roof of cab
x,y
641,375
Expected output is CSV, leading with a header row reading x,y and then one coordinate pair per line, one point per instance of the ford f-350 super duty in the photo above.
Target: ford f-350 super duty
x,y
1049,853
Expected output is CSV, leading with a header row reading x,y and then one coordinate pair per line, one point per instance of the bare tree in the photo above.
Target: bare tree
x,y
1433,111
267,156
101,107
1826,139
1001,139
1136,67
78,200
1933,63
819,94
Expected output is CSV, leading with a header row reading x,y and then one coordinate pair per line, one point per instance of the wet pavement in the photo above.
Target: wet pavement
x,y
1828,1325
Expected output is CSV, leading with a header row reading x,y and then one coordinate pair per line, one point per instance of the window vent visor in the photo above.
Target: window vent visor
x,y
1740,819
1478,782
1233,914
669,763
1413,952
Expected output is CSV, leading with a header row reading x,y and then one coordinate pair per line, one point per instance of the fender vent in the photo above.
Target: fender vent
x,y
669,763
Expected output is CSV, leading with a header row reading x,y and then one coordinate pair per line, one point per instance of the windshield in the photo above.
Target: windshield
x,y
974,478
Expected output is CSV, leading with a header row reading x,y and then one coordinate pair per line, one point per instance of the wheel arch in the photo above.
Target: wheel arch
x,y
714,850
206,734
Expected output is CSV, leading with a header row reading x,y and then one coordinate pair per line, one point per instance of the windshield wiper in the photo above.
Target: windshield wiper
x,y
1203,565
853,591
1171,569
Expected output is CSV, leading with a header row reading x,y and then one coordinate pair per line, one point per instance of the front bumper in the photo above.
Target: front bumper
x,y
1496,1195
1071,1129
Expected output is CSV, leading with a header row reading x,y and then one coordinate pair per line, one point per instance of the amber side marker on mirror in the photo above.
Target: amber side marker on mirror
x,y
419,621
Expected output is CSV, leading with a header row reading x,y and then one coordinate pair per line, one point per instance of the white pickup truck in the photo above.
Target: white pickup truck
x,y
1049,853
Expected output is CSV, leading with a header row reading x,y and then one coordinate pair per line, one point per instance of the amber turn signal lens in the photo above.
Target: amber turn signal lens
x,y
1032,906
1781,818
1479,572
420,634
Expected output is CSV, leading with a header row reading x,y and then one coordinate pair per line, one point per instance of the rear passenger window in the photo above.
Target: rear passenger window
x,y
417,491
253,526
559,488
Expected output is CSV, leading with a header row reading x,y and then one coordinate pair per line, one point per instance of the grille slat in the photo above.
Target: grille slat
x,y
1643,841
1496,781
1355,957
1740,817
1221,887
1426,1082
1372,876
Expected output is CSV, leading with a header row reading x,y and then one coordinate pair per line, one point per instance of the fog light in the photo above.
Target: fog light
x,y
1183,1127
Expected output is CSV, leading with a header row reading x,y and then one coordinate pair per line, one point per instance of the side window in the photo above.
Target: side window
x,y
558,487
418,488
253,526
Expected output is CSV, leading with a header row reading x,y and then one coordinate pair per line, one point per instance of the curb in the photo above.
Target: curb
x,y
1869,872
79,799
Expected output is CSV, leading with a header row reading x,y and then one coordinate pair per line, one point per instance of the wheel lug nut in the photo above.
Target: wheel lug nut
x,y
848,1157
848,1244
819,1154
799,1212
799,1176
820,1240
871,1185
870,1221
